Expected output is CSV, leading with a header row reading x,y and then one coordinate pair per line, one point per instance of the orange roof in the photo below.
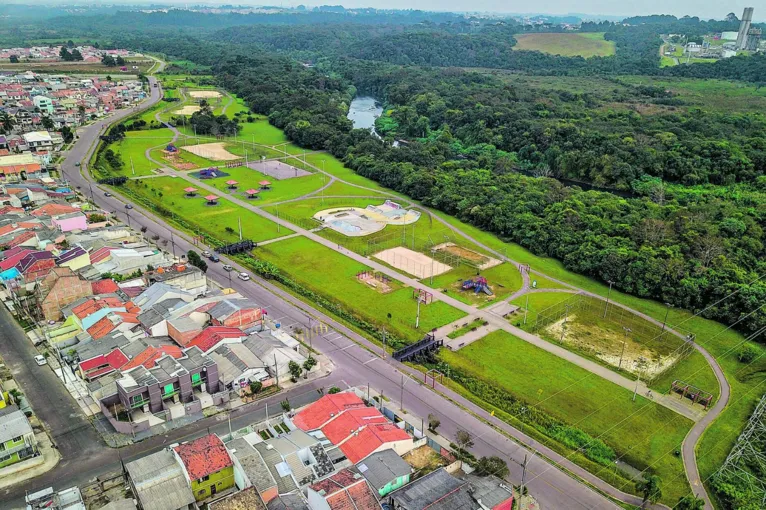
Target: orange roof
x,y
101,328
92,305
324,409
346,490
149,356
21,238
128,317
204,456
350,421
107,286
212,335
369,439
53,210
17,169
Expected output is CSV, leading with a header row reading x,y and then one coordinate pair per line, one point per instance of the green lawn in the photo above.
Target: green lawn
x,y
168,193
342,189
333,275
503,279
135,144
566,44
642,433
280,190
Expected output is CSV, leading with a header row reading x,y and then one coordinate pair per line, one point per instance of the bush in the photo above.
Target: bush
x,y
334,390
747,353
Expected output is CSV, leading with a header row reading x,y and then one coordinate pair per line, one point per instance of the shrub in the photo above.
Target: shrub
x,y
747,353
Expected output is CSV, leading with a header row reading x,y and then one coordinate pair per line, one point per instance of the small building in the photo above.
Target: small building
x,y
17,439
70,221
182,276
208,466
159,482
292,501
38,140
250,470
44,104
75,258
385,471
47,499
60,288
342,490
439,490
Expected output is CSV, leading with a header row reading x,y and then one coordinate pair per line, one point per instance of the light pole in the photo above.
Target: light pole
x,y
606,308
526,309
665,320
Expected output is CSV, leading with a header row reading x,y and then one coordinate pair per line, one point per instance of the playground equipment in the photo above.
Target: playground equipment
x,y
696,395
208,173
423,296
376,280
171,149
479,284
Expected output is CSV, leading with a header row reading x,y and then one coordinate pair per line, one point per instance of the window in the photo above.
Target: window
x,y
17,439
201,493
204,478
168,389
196,378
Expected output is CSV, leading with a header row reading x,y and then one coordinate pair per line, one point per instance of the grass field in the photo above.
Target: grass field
x,y
333,275
280,190
503,280
343,189
567,44
168,193
135,144
642,433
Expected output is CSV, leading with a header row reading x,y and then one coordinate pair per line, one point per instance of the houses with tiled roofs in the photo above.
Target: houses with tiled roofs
x,y
207,465
355,429
59,288
439,490
344,490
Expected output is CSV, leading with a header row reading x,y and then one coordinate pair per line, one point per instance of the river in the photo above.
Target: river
x,y
363,112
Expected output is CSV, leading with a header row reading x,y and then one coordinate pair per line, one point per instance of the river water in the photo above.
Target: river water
x,y
363,112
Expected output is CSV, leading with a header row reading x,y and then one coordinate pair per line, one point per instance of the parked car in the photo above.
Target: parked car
x,y
40,360
128,206
243,276
107,194
214,258
227,267
206,254
77,164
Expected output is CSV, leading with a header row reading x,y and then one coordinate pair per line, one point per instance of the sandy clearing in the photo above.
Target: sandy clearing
x,y
412,262
215,151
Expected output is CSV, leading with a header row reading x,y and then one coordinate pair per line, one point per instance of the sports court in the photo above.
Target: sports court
x,y
215,151
277,169
187,110
204,94
412,262
358,222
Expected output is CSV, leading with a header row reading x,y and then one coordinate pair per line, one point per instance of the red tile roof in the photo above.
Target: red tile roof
x,y
372,437
100,254
92,305
53,210
21,238
109,363
324,409
9,209
212,335
101,328
204,456
13,260
346,490
149,356
107,286
348,422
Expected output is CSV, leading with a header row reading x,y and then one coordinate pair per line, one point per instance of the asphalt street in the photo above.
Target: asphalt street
x,y
85,455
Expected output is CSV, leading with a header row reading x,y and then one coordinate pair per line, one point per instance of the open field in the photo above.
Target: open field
x,y
186,110
503,281
333,275
167,192
642,433
134,146
566,44
215,151
412,262
204,94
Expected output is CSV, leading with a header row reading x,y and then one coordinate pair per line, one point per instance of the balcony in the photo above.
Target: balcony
x,y
139,403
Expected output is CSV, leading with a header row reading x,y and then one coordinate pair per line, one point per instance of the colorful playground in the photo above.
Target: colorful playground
x,y
357,222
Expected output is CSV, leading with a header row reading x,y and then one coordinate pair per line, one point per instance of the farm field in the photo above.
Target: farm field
x,y
643,434
503,280
566,44
333,275
135,144
167,192
722,95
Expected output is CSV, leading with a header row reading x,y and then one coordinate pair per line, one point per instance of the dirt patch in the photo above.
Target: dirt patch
x,y
377,281
204,94
215,151
412,262
607,346
424,458
479,260
187,110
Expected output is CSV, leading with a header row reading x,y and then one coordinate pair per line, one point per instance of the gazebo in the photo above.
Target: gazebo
x,y
252,193
190,192
212,199
264,184
232,184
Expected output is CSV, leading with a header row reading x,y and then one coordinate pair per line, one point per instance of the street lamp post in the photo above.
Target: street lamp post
x,y
606,307
665,320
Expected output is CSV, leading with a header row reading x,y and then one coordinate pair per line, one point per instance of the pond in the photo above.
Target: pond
x,y
363,112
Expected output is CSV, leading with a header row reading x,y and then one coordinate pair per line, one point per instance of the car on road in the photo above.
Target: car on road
x,y
107,194
77,164
243,276
40,360
227,267
128,206
214,257
206,254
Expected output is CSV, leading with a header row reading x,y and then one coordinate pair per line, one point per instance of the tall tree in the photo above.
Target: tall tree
x,y
650,489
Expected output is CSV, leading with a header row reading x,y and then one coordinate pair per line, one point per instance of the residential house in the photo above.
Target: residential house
x,y
343,490
58,289
184,329
236,313
159,482
439,490
38,140
250,470
44,104
5,398
183,276
213,336
293,501
208,466
154,319
70,221
75,258
385,471
13,168
124,261
48,499
36,265
273,353
239,367
17,439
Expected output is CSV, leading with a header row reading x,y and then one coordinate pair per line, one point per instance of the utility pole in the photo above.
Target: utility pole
x,y
606,307
384,342
173,244
524,472
665,320
239,222
433,253
417,317
564,324
276,370
132,168
401,397
627,330
526,309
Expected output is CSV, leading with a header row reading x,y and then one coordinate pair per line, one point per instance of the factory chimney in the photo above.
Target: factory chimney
x,y
744,28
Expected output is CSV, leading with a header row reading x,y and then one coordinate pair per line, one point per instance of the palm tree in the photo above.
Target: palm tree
x,y
650,489
7,121
690,502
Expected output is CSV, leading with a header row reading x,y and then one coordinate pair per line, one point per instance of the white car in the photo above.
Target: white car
x,y
243,276
226,267
206,254
40,360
